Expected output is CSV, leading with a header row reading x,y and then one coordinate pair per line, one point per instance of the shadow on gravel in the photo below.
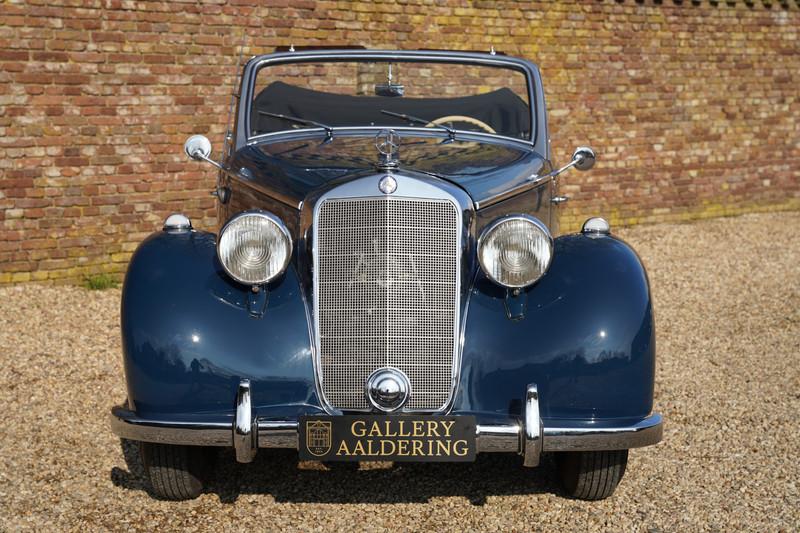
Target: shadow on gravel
x,y
133,478
276,473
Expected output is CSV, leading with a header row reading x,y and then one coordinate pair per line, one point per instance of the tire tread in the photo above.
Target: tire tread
x,y
174,472
592,475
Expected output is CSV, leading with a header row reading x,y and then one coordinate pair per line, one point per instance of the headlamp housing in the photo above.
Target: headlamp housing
x,y
254,247
515,250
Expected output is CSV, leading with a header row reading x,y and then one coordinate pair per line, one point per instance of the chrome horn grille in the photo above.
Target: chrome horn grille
x,y
387,282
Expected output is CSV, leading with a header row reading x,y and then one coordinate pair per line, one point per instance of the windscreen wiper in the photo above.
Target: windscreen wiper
x,y
451,133
304,122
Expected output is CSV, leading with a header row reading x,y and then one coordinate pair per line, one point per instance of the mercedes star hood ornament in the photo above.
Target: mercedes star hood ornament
x,y
388,144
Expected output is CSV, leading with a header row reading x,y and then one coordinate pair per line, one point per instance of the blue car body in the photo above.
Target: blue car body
x,y
583,334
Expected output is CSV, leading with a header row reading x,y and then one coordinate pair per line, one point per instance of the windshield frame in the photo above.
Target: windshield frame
x,y
254,66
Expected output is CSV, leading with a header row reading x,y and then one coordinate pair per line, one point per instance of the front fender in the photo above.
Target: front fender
x,y
584,334
189,334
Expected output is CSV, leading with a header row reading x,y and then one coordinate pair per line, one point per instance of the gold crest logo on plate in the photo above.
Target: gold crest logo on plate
x,y
318,437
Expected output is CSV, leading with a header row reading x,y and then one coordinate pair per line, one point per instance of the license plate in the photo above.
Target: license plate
x,y
387,438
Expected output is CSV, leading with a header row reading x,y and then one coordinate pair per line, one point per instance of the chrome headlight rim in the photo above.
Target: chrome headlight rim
x,y
487,231
272,219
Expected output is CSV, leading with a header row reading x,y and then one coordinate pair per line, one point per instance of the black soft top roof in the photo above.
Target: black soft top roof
x,y
502,109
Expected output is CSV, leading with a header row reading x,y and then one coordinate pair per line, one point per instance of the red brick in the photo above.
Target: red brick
x,y
104,36
51,56
14,55
97,102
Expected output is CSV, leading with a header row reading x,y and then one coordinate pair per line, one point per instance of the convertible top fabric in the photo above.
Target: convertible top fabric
x,y
502,109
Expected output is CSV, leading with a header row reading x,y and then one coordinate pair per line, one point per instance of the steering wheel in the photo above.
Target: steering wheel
x,y
461,118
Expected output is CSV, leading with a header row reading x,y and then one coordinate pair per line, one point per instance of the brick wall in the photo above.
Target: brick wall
x,y
691,106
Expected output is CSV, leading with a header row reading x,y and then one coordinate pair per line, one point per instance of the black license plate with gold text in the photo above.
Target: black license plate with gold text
x,y
387,438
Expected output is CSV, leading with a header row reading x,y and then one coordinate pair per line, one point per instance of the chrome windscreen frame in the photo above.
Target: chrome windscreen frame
x,y
410,186
533,79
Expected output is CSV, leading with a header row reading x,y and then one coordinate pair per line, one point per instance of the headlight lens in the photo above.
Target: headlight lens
x,y
254,247
515,251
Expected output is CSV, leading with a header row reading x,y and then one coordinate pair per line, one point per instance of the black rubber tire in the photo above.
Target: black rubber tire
x,y
175,472
591,475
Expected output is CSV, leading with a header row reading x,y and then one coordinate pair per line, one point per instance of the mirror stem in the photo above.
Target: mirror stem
x,y
568,166
198,154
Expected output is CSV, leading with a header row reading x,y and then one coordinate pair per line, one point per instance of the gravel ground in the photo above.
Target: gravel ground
x,y
728,382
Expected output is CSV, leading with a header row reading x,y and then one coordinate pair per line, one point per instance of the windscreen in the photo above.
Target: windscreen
x,y
461,96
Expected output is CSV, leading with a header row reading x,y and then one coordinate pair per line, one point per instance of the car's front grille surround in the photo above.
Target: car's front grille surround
x,y
386,286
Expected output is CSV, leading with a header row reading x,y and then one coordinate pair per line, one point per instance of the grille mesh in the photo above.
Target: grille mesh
x,y
387,286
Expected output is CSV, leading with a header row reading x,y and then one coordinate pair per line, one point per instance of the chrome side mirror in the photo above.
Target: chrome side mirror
x,y
198,147
584,158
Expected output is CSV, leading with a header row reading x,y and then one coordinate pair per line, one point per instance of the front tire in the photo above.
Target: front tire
x,y
591,475
175,472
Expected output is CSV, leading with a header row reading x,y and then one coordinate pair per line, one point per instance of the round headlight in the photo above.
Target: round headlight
x,y
254,247
515,251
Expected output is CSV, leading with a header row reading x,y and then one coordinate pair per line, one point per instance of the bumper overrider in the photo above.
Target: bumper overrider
x,y
527,436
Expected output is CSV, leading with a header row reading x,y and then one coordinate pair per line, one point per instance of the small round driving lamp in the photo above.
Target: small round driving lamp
x,y
254,247
515,251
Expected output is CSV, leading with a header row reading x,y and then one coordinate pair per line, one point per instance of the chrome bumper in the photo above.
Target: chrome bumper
x,y
247,433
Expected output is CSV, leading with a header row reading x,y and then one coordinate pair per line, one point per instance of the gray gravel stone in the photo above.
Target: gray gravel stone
x,y
728,330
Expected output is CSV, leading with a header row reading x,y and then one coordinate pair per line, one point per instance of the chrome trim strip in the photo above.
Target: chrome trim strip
x,y
278,434
128,425
644,433
271,433
463,136
279,197
312,339
498,438
245,430
533,427
532,182
489,438
470,282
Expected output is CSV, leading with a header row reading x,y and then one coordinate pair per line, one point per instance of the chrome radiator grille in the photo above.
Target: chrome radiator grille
x,y
387,295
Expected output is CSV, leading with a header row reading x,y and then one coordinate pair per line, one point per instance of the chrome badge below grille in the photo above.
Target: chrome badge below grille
x,y
387,285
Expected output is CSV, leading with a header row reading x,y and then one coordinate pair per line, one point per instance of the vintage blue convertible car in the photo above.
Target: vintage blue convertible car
x,y
388,283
